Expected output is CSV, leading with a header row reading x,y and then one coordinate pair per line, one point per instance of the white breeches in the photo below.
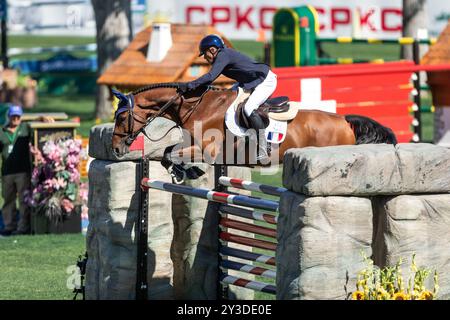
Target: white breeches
x,y
261,93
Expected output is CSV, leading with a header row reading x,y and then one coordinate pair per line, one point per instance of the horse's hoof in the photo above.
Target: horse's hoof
x,y
178,173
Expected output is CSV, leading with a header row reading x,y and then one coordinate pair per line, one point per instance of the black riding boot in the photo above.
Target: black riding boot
x,y
258,124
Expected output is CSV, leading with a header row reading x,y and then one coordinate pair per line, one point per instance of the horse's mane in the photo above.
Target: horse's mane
x,y
175,85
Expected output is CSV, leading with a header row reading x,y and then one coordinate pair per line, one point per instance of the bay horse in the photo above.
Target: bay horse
x,y
208,106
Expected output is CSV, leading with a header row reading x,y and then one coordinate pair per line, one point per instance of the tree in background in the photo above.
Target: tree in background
x,y
113,20
414,18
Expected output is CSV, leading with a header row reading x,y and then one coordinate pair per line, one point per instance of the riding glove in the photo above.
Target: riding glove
x,y
185,87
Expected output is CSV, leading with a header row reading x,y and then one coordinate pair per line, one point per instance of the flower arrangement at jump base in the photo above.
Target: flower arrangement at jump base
x,y
387,283
55,179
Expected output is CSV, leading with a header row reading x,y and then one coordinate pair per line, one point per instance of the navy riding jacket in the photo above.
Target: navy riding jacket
x,y
236,66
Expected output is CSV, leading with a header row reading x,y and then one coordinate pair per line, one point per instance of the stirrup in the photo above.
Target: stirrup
x,y
264,156
263,152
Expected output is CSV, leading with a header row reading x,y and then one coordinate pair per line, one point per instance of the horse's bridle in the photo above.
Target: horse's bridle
x,y
130,135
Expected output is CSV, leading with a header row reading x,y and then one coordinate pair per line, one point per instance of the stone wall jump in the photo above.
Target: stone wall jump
x,y
182,234
383,200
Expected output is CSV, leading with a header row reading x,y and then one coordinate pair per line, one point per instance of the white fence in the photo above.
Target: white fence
x,y
61,17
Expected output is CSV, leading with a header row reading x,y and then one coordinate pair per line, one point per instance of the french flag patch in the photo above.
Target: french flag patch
x,y
275,137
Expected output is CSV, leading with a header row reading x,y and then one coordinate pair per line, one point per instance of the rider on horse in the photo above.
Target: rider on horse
x,y
250,75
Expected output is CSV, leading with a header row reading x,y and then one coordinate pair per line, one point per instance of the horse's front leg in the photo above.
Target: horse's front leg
x,y
177,168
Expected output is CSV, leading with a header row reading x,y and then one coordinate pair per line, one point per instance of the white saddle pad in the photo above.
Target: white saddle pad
x,y
275,132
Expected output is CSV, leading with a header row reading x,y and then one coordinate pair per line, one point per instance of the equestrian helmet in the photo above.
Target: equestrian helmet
x,y
211,40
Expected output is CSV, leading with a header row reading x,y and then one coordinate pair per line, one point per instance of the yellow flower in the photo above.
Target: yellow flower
x,y
358,295
382,294
387,283
400,296
415,294
426,295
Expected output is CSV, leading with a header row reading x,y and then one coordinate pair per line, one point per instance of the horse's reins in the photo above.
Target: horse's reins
x,y
192,109
131,116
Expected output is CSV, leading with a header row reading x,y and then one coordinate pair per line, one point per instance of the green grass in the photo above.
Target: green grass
x,y
27,41
266,177
82,106
45,56
34,267
427,118
362,51
251,48
427,127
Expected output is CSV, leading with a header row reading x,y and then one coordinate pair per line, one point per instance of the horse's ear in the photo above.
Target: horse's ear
x,y
119,95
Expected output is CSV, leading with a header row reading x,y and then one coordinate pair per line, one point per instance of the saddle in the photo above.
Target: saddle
x,y
273,105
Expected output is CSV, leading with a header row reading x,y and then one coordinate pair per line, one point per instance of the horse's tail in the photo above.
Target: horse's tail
x,y
369,131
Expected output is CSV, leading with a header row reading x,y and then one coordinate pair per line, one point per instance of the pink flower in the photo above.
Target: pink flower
x,y
58,166
53,152
73,146
55,155
55,180
48,185
72,161
59,183
49,148
67,205
74,176
83,192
